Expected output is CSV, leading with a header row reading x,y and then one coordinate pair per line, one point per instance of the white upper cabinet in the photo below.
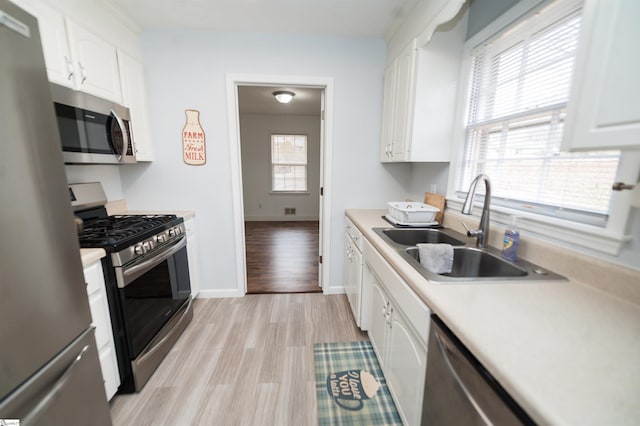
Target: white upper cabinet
x,y
53,35
95,62
398,97
134,97
604,111
75,57
420,91
88,48
388,102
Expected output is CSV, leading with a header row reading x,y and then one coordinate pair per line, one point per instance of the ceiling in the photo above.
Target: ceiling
x,y
260,100
323,17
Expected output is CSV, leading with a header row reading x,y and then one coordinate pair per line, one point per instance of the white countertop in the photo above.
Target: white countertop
x,y
567,352
91,255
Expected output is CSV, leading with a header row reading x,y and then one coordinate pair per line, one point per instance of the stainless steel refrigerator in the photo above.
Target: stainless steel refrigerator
x,y
49,369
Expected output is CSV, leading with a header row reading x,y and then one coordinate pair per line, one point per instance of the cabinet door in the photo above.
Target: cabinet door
x,y
192,257
388,106
406,369
53,36
378,322
348,273
134,96
96,63
101,320
403,102
604,112
355,283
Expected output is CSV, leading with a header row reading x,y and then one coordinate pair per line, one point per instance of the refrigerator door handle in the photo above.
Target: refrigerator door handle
x,y
50,397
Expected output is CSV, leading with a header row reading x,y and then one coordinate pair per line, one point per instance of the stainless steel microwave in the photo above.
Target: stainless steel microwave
x,y
92,130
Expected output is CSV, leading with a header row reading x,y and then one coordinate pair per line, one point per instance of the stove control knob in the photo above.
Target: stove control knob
x,y
172,232
138,249
161,238
147,246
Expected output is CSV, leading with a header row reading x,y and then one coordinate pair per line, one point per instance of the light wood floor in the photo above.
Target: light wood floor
x,y
282,257
242,361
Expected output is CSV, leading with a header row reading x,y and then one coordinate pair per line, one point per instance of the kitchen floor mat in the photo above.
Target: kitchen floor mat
x,y
350,386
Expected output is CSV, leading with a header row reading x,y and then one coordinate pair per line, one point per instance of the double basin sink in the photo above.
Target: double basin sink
x,y
470,264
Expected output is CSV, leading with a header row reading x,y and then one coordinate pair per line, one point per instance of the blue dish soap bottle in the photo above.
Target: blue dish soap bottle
x,y
511,239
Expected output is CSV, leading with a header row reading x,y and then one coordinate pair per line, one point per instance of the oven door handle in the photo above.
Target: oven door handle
x,y
126,275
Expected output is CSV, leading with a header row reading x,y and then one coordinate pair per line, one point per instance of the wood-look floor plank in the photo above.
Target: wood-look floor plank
x,y
282,257
243,361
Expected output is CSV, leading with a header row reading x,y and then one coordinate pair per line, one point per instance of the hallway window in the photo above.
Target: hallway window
x,y
288,163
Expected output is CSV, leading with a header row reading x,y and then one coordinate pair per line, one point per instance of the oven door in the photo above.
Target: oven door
x,y
151,290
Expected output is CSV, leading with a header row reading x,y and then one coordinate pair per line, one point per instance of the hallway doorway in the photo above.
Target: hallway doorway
x,y
280,152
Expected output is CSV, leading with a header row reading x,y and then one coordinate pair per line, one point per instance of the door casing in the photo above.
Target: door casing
x,y
325,83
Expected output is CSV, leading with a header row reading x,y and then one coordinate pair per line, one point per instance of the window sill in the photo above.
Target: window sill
x,y
572,235
289,193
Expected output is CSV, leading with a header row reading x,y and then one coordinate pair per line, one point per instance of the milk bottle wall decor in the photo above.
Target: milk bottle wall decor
x,y
193,142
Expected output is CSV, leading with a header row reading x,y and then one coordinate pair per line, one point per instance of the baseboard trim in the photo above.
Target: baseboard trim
x,y
333,290
218,294
295,218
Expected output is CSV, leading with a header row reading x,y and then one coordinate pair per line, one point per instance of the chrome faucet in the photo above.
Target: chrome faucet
x,y
482,233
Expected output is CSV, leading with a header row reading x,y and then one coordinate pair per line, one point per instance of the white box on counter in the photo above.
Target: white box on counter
x,y
412,212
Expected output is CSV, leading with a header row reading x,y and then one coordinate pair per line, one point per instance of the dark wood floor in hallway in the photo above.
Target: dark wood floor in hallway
x,y
282,257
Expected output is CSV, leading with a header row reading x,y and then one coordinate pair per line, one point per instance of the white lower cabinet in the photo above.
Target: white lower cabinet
x,y
101,320
398,330
192,256
353,273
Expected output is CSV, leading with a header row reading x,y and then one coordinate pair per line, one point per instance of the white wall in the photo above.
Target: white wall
x,y
108,175
423,175
187,70
255,134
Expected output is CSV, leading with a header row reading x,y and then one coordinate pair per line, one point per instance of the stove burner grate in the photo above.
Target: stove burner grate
x,y
117,229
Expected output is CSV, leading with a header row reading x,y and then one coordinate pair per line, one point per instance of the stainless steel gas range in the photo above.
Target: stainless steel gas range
x,y
147,280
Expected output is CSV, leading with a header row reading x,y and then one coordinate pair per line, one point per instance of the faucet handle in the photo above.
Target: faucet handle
x,y
474,233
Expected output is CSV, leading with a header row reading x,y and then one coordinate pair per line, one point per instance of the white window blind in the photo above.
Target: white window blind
x,y
288,163
519,88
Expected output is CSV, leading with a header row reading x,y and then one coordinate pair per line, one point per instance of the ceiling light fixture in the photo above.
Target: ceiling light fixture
x,y
283,96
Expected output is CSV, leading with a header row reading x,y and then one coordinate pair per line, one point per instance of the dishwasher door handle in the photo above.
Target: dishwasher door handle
x,y
449,357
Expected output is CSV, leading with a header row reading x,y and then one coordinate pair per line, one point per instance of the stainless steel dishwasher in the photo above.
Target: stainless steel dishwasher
x,y
459,390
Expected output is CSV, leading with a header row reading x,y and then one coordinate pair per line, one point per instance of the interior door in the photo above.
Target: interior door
x,y
322,163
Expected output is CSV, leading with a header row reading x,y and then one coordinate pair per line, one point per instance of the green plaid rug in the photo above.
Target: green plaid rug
x,y
350,387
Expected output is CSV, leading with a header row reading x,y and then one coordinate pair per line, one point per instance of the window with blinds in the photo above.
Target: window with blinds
x,y
288,163
519,88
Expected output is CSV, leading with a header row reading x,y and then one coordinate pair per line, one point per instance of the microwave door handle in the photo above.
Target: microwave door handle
x,y
125,135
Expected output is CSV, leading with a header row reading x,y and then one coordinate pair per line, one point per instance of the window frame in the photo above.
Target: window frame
x,y
608,239
271,164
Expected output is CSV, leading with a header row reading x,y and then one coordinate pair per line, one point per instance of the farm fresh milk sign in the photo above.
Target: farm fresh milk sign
x,y
193,141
